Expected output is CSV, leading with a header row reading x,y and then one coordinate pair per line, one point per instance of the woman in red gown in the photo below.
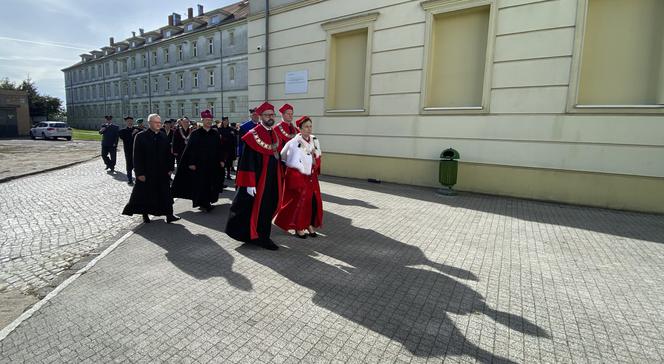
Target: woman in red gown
x,y
301,206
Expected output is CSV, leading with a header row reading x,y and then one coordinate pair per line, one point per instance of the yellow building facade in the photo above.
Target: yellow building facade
x,y
559,100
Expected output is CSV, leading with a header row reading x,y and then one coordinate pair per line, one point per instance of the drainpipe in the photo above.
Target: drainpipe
x,y
267,46
221,68
149,81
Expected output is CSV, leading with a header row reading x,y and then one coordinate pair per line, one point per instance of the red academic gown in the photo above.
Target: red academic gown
x,y
301,204
250,218
286,132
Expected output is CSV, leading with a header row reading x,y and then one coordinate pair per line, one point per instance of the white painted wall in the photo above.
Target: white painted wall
x,y
527,124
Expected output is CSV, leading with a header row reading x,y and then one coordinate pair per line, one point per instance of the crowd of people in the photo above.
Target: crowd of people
x,y
276,167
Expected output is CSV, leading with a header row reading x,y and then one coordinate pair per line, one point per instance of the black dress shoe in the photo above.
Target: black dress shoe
x,y
313,235
146,218
303,236
131,183
172,218
269,244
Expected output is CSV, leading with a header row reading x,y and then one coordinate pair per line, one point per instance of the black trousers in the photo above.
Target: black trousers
x,y
108,154
129,161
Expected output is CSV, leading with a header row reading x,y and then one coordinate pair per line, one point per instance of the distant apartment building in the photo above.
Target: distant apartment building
x,y
189,65
558,100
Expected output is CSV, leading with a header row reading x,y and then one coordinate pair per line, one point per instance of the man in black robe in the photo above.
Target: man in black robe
x,y
200,172
127,135
228,142
153,164
181,138
109,142
259,184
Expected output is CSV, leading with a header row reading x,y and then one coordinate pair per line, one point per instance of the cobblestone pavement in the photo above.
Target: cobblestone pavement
x,y
19,157
50,220
401,275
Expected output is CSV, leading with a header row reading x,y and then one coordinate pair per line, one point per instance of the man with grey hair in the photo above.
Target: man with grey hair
x,y
153,165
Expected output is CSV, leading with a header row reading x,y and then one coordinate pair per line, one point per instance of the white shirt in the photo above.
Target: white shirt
x,y
299,153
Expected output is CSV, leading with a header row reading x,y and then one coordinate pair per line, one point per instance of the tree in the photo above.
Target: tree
x,y
6,84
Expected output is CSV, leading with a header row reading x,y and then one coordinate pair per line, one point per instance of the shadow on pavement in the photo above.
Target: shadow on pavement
x,y
195,254
632,225
388,287
347,202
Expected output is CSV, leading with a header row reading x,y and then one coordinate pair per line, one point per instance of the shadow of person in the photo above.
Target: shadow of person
x,y
194,254
119,176
345,201
214,220
626,224
388,287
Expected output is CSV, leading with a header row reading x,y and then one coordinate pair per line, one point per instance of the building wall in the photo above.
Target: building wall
x,y
526,142
92,94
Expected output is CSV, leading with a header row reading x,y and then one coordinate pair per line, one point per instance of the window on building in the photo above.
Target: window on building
x,y
210,45
107,69
620,67
180,81
145,85
155,85
168,110
117,89
166,58
232,104
194,77
190,27
348,71
211,78
133,63
115,67
155,108
231,37
145,59
98,71
135,109
180,55
197,111
457,59
168,82
107,91
210,106
194,49
124,65
134,87
154,58
231,73
181,108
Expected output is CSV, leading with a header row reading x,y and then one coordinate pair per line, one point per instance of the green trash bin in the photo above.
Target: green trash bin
x,y
447,172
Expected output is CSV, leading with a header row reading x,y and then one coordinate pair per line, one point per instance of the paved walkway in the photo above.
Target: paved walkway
x,y
401,275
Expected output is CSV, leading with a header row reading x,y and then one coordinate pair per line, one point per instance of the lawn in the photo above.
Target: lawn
x,y
80,134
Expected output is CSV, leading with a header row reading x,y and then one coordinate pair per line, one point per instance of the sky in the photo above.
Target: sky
x,y
40,37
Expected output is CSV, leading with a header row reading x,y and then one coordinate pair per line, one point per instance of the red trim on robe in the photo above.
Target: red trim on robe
x,y
255,208
245,179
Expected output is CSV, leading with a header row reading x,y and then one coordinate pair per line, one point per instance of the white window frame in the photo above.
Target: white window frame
x,y
575,77
168,82
435,7
194,79
356,22
210,78
194,48
166,55
210,45
180,52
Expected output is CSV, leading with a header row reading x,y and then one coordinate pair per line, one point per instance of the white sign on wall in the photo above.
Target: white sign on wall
x,y
297,82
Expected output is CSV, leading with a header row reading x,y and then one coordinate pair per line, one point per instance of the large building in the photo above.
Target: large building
x,y
178,70
558,100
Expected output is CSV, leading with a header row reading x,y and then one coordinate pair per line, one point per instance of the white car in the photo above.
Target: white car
x,y
51,130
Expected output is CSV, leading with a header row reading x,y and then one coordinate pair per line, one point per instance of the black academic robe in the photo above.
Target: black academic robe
x,y
152,159
228,142
180,139
203,185
250,218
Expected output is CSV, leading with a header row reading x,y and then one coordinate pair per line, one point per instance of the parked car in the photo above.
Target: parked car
x,y
51,130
